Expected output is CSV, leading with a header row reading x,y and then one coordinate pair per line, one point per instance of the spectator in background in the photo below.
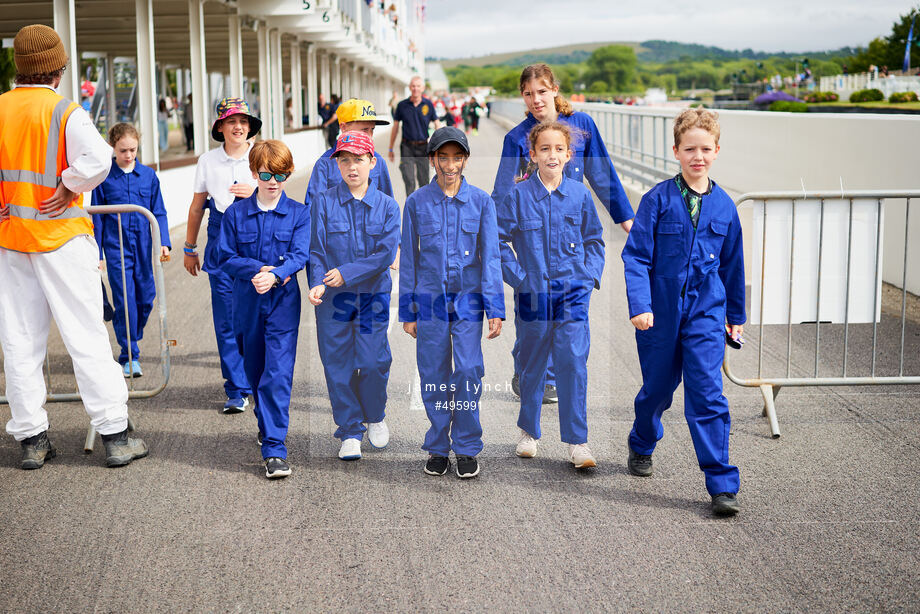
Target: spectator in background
x,y
414,113
188,126
163,124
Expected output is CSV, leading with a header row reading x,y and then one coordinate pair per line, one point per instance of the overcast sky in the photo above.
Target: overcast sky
x,y
464,28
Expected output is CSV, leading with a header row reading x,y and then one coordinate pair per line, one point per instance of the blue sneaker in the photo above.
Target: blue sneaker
x,y
132,369
235,406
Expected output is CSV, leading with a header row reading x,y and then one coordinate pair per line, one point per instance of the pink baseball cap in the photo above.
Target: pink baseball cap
x,y
355,142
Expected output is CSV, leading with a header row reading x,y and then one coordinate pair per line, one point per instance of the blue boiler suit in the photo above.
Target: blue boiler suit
x,y
359,238
450,275
236,384
139,187
590,160
691,281
557,261
326,175
266,325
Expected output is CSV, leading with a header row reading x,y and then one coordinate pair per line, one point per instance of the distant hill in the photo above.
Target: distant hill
x,y
653,51
566,54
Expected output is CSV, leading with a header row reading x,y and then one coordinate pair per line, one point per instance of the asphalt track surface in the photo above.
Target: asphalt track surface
x,y
829,517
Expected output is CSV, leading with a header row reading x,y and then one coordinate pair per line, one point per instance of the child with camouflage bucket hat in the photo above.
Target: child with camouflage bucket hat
x,y
222,177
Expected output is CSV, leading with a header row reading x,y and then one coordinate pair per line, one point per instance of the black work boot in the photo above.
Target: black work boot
x,y
35,450
725,504
120,449
639,464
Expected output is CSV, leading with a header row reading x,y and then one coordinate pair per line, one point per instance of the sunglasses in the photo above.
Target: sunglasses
x,y
279,177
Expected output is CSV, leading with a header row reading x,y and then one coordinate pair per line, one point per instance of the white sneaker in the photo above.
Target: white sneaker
x,y
378,434
351,449
581,456
526,445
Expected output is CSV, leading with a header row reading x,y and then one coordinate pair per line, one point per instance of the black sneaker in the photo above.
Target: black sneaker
x,y
725,504
549,395
467,467
639,464
276,468
437,465
260,440
516,385
120,449
35,450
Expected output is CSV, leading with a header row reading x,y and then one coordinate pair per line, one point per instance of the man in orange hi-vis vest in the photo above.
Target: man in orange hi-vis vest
x,y
50,153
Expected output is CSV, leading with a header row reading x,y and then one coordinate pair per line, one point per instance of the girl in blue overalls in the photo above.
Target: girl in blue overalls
x,y
354,236
551,222
590,160
222,176
451,277
264,242
129,183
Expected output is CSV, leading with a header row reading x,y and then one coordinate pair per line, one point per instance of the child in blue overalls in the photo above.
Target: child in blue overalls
x,y
263,244
355,233
684,267
450,277
551,222
590,162
222,176
129,183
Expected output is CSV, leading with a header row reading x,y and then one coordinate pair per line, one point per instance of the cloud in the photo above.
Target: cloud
x,y
478,27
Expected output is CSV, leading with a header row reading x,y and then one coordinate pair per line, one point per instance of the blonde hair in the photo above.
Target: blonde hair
x,y
696,117
273,155
120,131
544,73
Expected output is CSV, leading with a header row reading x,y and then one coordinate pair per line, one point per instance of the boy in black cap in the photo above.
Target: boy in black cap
x,y
450,277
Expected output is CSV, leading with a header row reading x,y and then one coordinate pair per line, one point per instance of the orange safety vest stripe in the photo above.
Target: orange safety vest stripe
x,y
33,156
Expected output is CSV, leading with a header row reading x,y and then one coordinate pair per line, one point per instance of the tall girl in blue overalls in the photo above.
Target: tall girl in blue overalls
x,y
221,178
590,160
129,183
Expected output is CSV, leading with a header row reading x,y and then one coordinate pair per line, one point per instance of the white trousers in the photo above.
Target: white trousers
x,y
63,284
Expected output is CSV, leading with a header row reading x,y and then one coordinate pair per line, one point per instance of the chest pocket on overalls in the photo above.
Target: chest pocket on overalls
x,y
669,239
532,237
428,229
571,236
374,232
714,240
337,237
281,243
248,247
468,238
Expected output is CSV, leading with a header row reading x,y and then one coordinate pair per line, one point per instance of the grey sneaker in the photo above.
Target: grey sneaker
x,y
35,450
550,395
639,464
120,449
725,504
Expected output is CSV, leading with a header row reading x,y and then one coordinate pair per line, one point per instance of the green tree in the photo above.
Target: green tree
x,y
507,83
897,41
613,64
598,87
7,69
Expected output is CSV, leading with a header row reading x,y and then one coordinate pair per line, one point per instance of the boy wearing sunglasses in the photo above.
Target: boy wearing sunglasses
x,y
264,242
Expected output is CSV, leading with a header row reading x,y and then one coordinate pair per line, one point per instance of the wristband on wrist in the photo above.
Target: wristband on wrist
x,y
191,245
190,252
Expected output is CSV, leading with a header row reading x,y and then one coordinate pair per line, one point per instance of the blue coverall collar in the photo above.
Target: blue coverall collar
x,y
344,194
705,212
282,208
120,170
463,194
539,191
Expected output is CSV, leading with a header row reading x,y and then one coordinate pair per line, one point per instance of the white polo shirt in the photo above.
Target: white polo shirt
x,y
216,172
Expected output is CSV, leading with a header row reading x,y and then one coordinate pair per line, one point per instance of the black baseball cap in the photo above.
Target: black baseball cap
x,y
445,135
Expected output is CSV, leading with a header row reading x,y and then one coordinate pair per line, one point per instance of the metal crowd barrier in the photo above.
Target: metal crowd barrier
x,y
771,383
165,342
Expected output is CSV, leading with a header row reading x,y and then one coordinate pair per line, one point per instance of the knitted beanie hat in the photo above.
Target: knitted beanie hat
x,y
38,49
